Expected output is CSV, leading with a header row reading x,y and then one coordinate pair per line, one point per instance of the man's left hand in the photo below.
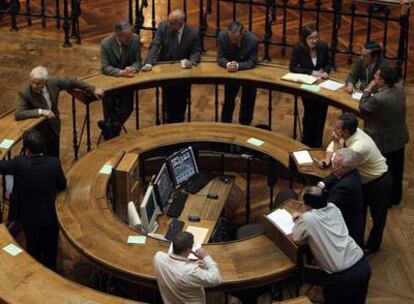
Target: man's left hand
x,y
98,93
186,64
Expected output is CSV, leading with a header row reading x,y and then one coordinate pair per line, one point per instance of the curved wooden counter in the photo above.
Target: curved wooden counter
x,y
90,225
24,280
263,75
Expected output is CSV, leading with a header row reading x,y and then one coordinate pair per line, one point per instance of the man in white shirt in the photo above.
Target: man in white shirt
x,y
181,280
346,271
372,166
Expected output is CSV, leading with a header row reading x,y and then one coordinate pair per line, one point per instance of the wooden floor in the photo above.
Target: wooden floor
x,y
393,266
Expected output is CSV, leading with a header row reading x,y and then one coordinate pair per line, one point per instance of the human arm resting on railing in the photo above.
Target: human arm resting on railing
x,y
196,51
155,45
106,66
24,110
251,57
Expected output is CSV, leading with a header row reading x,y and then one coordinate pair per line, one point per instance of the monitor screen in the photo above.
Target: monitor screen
x,y
163,186
182,166
148,210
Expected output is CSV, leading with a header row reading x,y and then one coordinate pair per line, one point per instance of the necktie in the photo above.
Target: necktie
x,y
123,59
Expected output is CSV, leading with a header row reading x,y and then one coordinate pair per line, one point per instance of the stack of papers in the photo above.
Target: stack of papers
x,y
301,78
331,85
310,87
357,95
303,158
282,219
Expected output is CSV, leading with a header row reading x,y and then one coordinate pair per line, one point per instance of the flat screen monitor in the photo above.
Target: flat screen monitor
x,y
163,186
149,211
182,166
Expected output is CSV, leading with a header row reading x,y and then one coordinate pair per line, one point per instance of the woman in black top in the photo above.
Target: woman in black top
x,y
310,56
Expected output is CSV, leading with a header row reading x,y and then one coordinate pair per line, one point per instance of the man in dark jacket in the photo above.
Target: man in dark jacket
x,y
37,179
237,50
175,41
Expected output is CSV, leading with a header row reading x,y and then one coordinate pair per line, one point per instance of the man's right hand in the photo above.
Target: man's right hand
x,y
349,88
47,113
126,73
200,253
146,68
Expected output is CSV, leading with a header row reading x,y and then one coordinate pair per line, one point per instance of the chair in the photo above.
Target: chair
x,y
283,196
249,230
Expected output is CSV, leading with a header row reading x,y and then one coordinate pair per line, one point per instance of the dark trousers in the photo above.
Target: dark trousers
x,y
248,99
118,107
314,116
376,195
42,244
395,162
51,138
174,100
348,286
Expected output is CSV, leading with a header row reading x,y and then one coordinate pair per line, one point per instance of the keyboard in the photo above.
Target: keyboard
x,y
177,205
198,181
173,229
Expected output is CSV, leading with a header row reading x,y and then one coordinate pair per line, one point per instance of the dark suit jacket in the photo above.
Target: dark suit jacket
x,y
163,46
361,73
37,179
301,62
245,55
385,118
30,102
111,55
346,194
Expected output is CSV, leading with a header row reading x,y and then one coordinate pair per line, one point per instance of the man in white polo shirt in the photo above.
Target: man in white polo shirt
x,y
372,166
181,280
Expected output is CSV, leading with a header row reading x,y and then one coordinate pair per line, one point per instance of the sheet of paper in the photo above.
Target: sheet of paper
x,y
282,219
12,249
310,87
303,157
6,143
199,233
136,239
106,169
301,78
357,95
255,141
331,85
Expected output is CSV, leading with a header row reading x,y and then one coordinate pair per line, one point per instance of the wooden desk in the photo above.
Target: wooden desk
x,y
300,300
89,224
24,280
208,210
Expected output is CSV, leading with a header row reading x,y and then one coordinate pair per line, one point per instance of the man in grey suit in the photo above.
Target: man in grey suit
x,y
40,98
120,57
383,103
175,40
237,50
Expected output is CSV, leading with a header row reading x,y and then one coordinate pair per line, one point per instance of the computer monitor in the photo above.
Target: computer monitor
x,y
149,211
163,186
182,166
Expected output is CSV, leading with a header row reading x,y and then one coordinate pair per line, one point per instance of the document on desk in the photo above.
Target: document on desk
x,y
310,87
256,142
136,239
6,143
357,95
331,85
282,219
12,249
303,158
301,78
199,233
106,169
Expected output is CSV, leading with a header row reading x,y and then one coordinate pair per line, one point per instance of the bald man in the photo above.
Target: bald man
x,y
174,40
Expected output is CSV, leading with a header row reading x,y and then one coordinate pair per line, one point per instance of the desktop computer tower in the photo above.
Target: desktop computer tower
x,y
126,184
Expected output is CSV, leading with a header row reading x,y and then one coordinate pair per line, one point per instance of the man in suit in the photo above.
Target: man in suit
x,y
343,188
364,69
40,98
237,50
120,57
383,103
37,179
175,40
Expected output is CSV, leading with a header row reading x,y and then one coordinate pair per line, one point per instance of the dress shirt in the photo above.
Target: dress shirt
x,y
370,162
326,233
46,96
180,34
181,280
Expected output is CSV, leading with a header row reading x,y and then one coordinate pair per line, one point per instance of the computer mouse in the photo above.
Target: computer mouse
x,y
225,179
212,195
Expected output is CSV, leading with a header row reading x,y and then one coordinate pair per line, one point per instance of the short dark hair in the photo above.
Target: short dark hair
x,y
389,74
235,27
182,241
374,47
122,26
313,196
349,122
34,142
305,32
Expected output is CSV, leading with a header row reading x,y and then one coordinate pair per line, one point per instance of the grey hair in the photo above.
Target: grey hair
x,y
122,26
178,14
235,27
40,73
348,157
